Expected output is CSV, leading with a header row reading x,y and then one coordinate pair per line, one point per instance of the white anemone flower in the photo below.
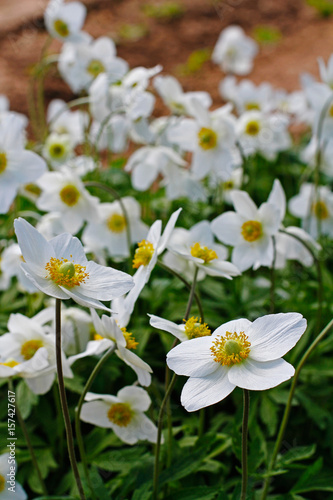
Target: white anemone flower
x,y
60,268
238,354
109,334
266,134
234,51
10,489
178,101
188,330
64,192
17,165
11,262
314,208
122,413
246,96
249,230
197,247
65,21
31,353
58,148
110,231
211,137
62,120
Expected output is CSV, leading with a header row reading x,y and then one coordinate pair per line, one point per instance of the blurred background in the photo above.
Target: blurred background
x,y
179,34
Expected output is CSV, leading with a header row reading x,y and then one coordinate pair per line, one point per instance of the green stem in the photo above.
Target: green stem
x,y
28,441
288,406
78,413
246,402
168,394
63,401
114,193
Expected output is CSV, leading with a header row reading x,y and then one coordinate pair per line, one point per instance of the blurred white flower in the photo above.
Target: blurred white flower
x,y
234,51
7,465
65,21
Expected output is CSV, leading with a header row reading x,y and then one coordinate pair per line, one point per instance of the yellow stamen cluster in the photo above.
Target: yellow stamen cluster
x,y
2,483
231,349
195,329
33,188
251,230
61,27
65,273
228,185
3,162
120,414
131,343
252,128
70,195
56,151
116,223
320,210
95,67
97,336
249,106
204,253
207,138
11,363
29,348
143,254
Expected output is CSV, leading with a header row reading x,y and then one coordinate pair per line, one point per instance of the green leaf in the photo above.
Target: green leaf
x,y
268,414
296,454
306,481
202,492
25,399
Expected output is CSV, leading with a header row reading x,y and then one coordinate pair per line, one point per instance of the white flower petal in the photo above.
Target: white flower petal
x,y
257,376
227,228
136,397
34,247
167,326
192,358
96,413
244,205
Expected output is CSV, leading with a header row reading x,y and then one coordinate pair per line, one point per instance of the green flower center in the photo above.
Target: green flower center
x,y
120,414
61,28
57,151
207,138
251,230
70,195
230,349
95,67
320,210
252,128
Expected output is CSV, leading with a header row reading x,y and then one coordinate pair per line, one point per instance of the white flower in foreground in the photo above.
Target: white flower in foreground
x,y
122,413
234,51
10,489
190,329
249,230
110,230
60,268
17,165
238,354
109,334
315,209
64,192
64,21
197,247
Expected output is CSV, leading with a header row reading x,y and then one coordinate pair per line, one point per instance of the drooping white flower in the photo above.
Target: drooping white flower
x,y
196,247
314,208
31,353
249,230
108,334
263,133
234,51
59,268
238,354
190,329
122,413
7,465
64,192
110,230
65,21
17,165
179,102
11,262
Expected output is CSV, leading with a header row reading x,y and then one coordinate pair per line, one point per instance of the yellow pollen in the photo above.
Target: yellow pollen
x,y
131,343
252,105
204,253
97,336
70,195
207,138
120,414
143,254
29,348
116,223
32,188
3,162
252,128
65,273
231,349
228,185
320,210
95,67
61,28
195,329
11,363
57,151
251,230
2,483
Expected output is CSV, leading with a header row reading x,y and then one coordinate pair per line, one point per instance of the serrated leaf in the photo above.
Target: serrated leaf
x,y
296,454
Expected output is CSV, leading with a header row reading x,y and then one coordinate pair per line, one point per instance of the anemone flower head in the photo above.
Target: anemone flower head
x,y
124,414
64,21
238,354
59,268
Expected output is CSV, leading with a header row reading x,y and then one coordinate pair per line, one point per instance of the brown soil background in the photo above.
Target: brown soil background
x,y
305,36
